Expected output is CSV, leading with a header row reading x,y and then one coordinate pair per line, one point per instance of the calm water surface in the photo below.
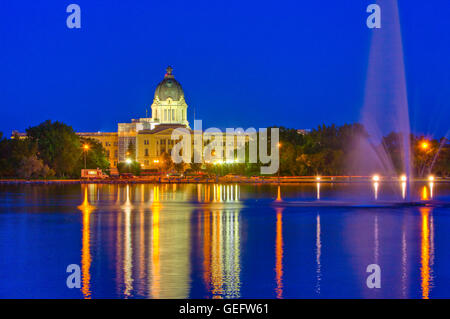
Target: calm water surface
x,y
224,241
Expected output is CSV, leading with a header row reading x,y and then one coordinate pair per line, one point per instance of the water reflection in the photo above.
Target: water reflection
x,y
375,189
86,258
431,185
403,190
318,253
279,253
404,262
427,251
279,199
165,241
218,193
318,190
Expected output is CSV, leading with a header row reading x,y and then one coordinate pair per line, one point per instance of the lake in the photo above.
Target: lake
x,y
224,241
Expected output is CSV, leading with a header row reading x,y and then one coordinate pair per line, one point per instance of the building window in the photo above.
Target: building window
x,y
146,152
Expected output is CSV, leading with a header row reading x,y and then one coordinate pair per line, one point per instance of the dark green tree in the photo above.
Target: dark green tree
x,y
58,146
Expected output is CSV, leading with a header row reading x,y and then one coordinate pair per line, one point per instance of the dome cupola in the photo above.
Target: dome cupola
x,y
169,88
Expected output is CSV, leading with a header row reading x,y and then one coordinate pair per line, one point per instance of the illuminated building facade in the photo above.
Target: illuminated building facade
x,y
149,137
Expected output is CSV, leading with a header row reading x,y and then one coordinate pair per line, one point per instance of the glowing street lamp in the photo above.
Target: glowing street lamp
x,y
318,178
279,168
424,145
403,178
376,178
431,178
128,161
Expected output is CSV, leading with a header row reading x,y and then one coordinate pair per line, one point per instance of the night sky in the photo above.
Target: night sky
x,y
241,63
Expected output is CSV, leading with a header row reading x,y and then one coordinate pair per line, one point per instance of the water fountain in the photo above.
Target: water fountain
x,y
385,106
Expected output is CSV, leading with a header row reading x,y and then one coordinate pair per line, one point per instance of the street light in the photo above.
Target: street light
x,y
128,161
279,164
424,145
85,149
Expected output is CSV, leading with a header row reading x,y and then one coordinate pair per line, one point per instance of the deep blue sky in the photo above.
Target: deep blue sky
x,y
241,63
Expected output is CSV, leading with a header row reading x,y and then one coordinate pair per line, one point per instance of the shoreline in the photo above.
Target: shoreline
x,y
220,180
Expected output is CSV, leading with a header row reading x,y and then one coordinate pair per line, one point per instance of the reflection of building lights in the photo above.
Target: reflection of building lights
x,y
426,252
375,187
431,178
424,193
403,178
318,190
279,252
403,190
431,190
376,178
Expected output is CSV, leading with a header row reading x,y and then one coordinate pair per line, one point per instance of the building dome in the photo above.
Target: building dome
x,y
169,88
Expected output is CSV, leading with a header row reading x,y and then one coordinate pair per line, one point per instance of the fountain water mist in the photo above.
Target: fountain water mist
x,y
386,105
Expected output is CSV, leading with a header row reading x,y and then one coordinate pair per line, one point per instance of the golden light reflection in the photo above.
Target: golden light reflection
x,y
279,254
427,252
424,195
156,267
206,247
220,193
141,253
279,199
86,258
169,252
221,253
216,258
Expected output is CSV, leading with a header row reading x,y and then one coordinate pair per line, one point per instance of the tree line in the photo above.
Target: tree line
x,y
54,150
50,150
